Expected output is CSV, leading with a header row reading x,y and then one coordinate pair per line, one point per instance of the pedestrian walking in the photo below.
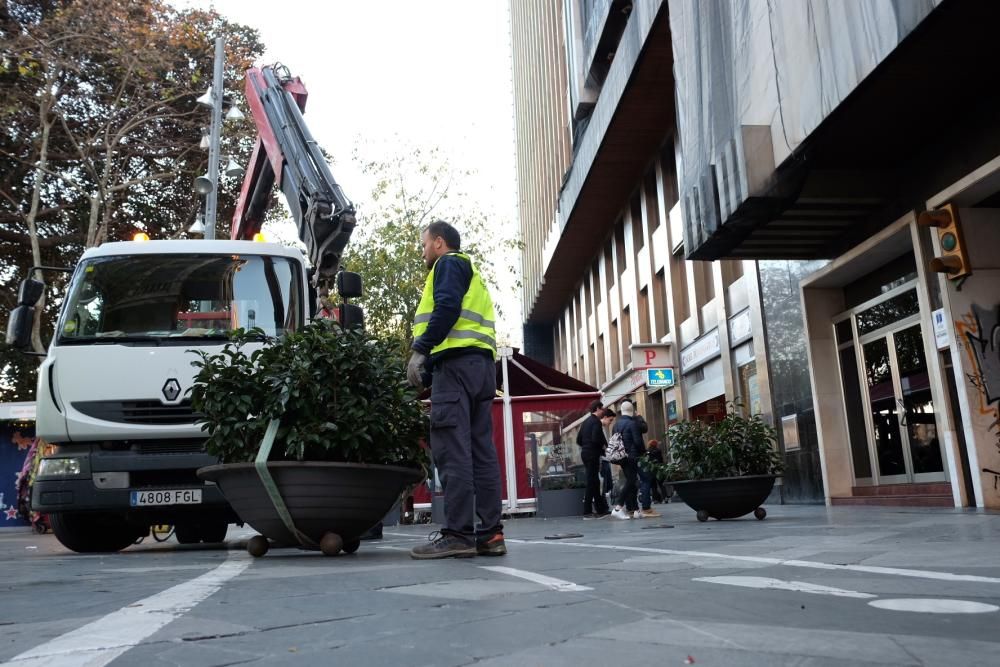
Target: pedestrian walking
x,y
592,442
647,480
655,456
454,347
607,477
628,427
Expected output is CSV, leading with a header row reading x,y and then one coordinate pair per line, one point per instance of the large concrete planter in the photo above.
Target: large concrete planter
x,y
339,499
727,497
560,502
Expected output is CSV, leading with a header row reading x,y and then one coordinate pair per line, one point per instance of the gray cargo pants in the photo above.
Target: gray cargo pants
x,y
462,394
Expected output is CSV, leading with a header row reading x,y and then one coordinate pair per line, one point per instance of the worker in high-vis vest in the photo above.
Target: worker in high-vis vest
x,y
454,351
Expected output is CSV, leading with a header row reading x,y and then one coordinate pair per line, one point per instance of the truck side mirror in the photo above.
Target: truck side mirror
x,y
351,316
349,285
19,326
29,292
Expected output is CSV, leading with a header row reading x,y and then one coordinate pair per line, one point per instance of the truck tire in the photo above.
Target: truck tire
x,y
93,533
214,532
187,533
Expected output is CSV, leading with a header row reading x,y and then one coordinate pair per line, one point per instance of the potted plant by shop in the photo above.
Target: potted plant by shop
x,y
317,433
724,469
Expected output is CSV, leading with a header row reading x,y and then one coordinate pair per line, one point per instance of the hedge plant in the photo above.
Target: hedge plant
x,y
341,395
735,446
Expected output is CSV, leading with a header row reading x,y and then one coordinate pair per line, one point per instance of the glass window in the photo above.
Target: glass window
x,y
156,298
749,391
843,329
554,460
853,403
891,310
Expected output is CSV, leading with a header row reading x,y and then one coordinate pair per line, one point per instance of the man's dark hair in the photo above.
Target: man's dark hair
x,y
594,405
608,412
441,229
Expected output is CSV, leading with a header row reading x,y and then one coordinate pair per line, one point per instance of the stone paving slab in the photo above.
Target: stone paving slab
x,y
650,600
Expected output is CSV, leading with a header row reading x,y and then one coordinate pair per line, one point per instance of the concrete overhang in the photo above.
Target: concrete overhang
x,y
633,115
923,117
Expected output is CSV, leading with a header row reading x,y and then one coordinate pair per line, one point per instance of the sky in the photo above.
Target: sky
x,y
384,73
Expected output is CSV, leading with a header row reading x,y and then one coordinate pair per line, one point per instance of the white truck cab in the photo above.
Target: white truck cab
x,y
114,390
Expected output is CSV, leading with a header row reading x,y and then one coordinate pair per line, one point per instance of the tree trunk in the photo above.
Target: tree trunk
x,y
36,251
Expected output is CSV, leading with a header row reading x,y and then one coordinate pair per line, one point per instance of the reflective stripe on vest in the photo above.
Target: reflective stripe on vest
x,y
475,326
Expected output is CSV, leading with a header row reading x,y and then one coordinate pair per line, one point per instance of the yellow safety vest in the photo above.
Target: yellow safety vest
x,y
476,324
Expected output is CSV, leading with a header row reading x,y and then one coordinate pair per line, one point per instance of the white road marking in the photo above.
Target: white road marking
x,y
551,582
932,606
779,584
870,569
99,642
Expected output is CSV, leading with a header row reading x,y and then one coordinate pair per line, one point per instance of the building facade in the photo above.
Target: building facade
x,y
853,149
611,296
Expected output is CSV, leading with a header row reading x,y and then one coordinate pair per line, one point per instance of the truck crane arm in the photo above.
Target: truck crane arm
x,y
286,154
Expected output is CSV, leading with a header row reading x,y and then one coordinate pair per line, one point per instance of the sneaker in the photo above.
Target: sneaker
x,y
444,545
492,545
637,514
621,514
650,514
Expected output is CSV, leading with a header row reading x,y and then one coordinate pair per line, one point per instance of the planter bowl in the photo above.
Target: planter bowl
x,y
341,498
727,497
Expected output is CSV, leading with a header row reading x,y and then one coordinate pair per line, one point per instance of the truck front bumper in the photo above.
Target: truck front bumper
x,y
92,490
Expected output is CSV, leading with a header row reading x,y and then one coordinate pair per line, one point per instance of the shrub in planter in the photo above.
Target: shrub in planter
x,y
340,394
345,428
724,469
736,446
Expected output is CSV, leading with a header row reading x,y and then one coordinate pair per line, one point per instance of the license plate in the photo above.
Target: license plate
x,y
166,497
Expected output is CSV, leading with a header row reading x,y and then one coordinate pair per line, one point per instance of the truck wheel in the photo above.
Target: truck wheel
x,y
93,533
187,533
214,532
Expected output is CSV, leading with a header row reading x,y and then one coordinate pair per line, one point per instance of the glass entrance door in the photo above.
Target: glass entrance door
x,y
903,428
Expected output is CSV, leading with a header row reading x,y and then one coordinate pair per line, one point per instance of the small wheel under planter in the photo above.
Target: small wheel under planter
x,y
257,546
331,544
702,515
760,513
350,546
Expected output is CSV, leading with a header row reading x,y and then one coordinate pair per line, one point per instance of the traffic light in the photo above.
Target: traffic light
x,y
953,260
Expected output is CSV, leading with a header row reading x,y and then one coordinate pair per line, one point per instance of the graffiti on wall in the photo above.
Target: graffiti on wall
x,y
979,332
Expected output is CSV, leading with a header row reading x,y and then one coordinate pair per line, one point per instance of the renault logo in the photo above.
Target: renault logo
x,y
171,389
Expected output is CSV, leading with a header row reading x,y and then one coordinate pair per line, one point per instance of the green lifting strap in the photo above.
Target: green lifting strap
x,y
260,463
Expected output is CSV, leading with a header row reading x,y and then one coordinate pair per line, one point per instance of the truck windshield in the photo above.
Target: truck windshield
x,y
157,298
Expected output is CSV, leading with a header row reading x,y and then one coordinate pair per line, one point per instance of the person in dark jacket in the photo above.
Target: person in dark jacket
x,y
655,455
647,481
607,478
592,443
632,439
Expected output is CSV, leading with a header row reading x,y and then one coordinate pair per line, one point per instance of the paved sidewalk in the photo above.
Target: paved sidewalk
x,y
809,585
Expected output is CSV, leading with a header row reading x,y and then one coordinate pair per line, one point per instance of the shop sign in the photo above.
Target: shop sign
x,y
671,411
625,385
740,328
940,329
650,355
659,377
17,412
700,351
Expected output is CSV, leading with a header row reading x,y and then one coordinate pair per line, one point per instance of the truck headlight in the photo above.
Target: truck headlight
x,y
59,467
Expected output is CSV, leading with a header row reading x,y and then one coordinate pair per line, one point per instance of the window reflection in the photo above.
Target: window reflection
x,y
554,460
891,310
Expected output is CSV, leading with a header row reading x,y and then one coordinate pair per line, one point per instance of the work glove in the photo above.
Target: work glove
x,y
415,370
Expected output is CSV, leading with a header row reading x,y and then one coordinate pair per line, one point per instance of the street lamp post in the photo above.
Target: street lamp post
x,y
212,198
